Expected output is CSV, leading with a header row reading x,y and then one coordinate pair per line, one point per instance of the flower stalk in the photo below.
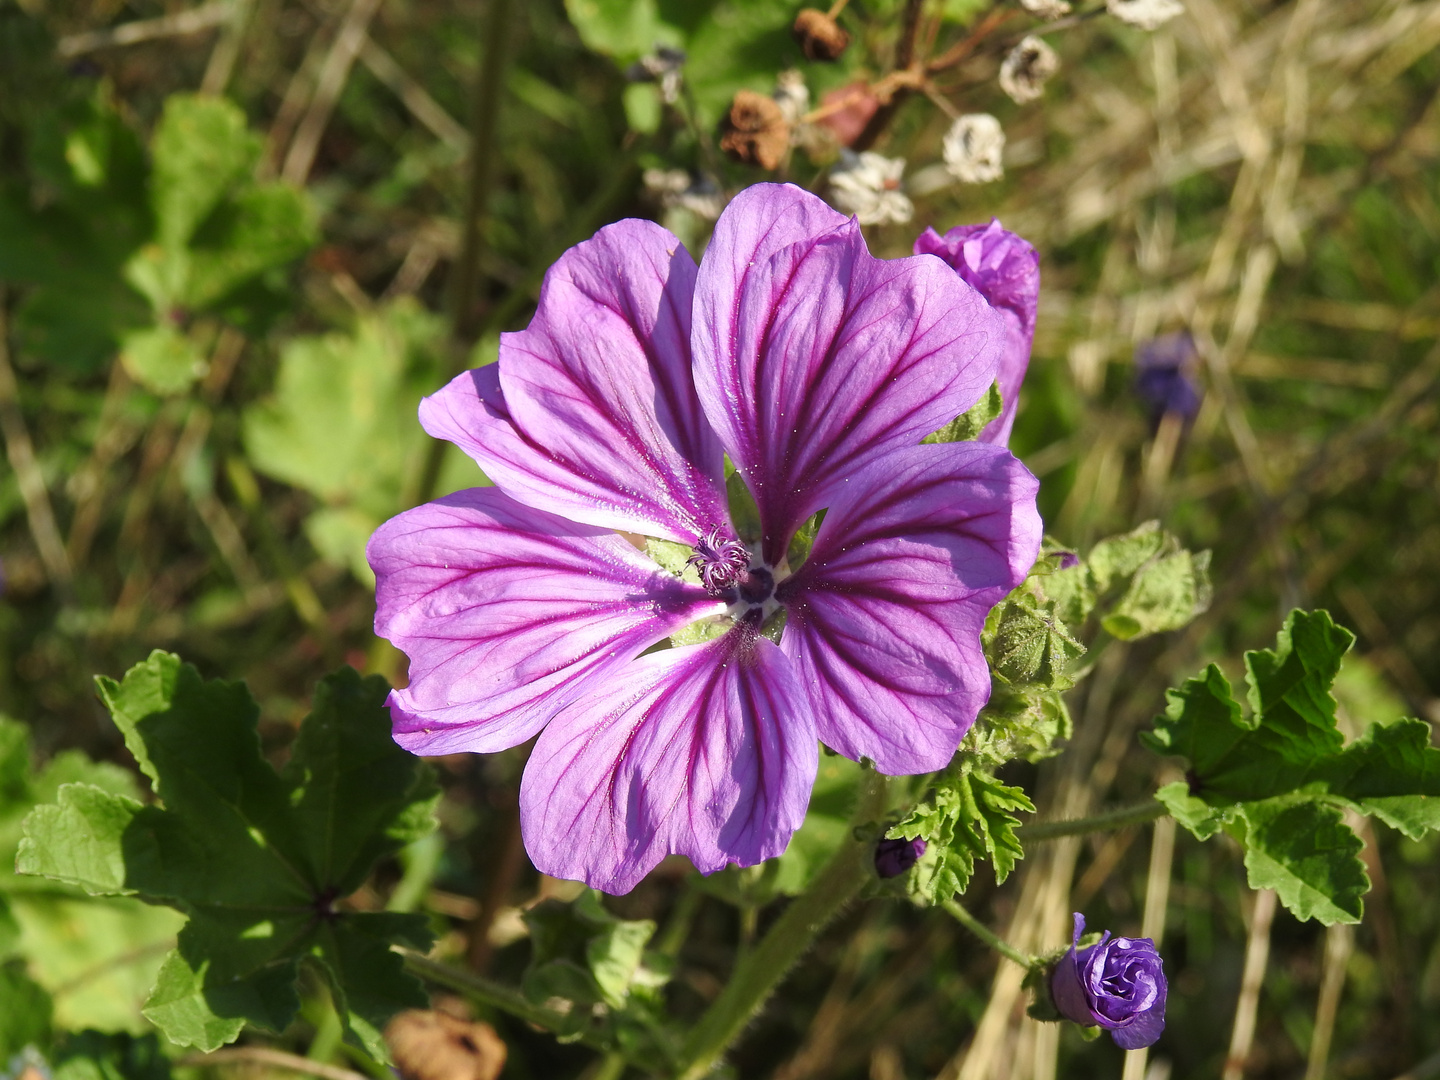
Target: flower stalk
x,y
761,970
985,934
1105,822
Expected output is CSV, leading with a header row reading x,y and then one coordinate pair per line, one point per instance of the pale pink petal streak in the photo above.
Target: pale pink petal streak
x,y
707,751
507,613
884,618
814,358
591,412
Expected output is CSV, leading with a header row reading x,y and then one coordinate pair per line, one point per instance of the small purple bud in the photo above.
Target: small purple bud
x,y
1165,376
1068,559
1117,984
894,857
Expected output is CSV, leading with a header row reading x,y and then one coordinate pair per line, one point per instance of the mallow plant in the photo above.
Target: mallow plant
x,y
735,514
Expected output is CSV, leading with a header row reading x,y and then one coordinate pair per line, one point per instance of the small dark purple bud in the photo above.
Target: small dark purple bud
x,y
1068,559
894,857
1165,376
1117,984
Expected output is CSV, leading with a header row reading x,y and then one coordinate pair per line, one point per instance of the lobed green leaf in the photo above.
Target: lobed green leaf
x,y
258,861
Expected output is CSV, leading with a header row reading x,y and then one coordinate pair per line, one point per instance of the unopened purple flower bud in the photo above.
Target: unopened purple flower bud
x,y
894,857
1165,376
1068,559
1117,984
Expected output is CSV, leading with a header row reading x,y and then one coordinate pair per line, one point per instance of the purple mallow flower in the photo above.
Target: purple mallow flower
x,y
894,857
818,369
1006,270
1117,984
1165,376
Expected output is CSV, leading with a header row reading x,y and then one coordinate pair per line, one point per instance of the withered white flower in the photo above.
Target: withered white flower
x,y
792,95
868,186
1046,9
663,66
1146,14
676,188
1026,68
973,149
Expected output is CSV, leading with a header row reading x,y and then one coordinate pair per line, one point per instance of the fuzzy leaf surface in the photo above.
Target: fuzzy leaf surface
x,y
258,860
1281,776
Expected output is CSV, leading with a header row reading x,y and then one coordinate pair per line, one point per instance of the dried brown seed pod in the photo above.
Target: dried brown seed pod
x,y
437,1046
820,36
755,130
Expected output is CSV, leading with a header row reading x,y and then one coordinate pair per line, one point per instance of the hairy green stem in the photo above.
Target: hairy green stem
x,y
489,90
761,970
1104,822
985,934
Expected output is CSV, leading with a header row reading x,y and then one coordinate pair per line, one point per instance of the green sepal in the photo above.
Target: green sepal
x,y
674,558
1028,644
968,425
744,513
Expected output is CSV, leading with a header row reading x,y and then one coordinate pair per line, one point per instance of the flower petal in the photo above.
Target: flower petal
x,y
592,412
814,359
708,751
1144,1029
883,619
506,612
1006,271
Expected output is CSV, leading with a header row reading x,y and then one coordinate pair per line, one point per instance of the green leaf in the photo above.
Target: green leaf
x,y
1291,732
257,860
71,233
93,1055
624,29
259,229
583,954
162,359
968,425
341,425
1072,591
1290,685
1393,772
1305,852
804,540
201,148
9,929
24,1011
1018,723
1165,594
97,956
967,816
1118,557
1195,814
1286,774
